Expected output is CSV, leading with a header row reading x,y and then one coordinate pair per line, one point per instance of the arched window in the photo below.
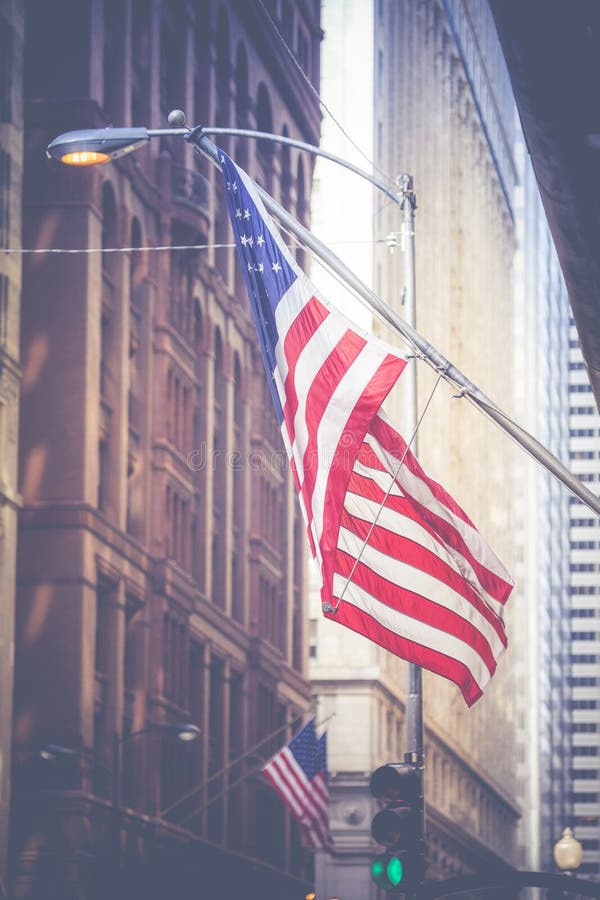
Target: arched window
x,y
219,469
264,122
241,87
112,60
109,218
140,61
198,325
136,261
286,171
301,204
237,556
223,69
109,241
108,366
301,208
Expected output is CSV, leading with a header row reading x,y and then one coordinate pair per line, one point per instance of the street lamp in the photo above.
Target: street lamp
x,y
568,852
182,731
567,856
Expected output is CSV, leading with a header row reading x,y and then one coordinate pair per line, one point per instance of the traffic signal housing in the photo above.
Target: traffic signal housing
x,y
398,826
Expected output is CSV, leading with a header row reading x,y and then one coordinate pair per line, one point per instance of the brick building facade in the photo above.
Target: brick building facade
x,y
161,555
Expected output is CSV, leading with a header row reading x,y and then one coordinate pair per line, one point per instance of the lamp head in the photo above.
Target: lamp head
x,y
50,752
568,851
187,732
95,145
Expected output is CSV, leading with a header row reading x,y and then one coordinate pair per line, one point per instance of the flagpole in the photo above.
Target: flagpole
x,y
414,685
408,205
427,351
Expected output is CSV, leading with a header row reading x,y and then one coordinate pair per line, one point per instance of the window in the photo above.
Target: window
x,y
583,704
584,658
4,286
584,727
584,751
223,70
265,149
105,605
312,638
241,87
4,198
113,29
302,49
6,70
174,660
583,635
585,820
287,20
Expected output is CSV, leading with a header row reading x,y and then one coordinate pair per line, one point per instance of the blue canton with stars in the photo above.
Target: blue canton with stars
x,y
307,752
267,271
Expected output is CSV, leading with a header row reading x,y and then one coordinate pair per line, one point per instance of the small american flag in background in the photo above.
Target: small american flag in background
x,y
299,773
400,562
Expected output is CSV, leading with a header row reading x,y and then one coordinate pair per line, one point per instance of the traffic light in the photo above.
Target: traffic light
x,y
399,827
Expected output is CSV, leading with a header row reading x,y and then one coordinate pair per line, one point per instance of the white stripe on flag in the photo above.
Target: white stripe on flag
x,y
415,630
419,581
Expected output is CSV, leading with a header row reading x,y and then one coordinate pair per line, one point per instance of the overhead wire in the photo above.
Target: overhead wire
x,y
30,250
315,92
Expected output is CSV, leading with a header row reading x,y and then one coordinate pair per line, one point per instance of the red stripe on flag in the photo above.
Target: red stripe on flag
x,y
344,457
411,552
496,586
418,607
361,622
302,329
319,395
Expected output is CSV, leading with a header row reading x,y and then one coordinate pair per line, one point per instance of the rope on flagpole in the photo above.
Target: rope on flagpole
x,y
329,608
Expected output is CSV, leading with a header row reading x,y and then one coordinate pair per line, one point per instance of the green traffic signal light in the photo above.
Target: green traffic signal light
x,y
387,871
394,870
377,869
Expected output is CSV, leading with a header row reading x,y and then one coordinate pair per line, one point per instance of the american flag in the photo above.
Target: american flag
x,y
299,773
399,560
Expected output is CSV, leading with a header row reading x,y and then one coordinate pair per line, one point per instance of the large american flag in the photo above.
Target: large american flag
x,y
299,773
399,560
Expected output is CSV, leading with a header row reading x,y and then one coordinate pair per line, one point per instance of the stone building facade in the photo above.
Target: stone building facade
x,y
161,555
12,25
443,113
